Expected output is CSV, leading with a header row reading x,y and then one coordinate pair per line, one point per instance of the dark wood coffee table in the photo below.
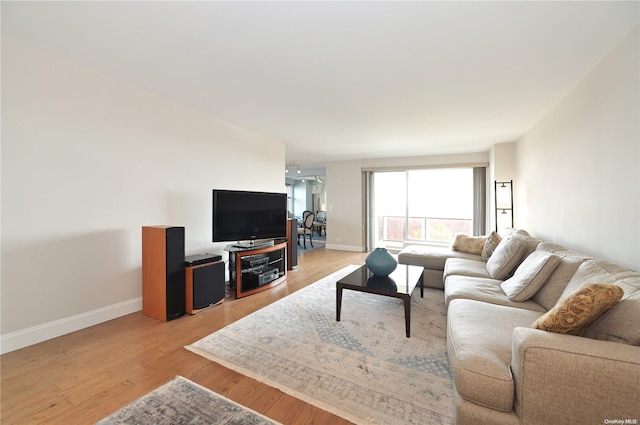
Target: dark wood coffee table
x,y
399,284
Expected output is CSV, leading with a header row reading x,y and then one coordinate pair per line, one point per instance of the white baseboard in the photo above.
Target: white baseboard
x,y
26,337
344,247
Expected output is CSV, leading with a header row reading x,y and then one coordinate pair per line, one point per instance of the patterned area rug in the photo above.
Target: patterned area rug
x,y
362,368
181,401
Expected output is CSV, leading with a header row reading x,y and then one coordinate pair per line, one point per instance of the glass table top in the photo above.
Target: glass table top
x,y
403,280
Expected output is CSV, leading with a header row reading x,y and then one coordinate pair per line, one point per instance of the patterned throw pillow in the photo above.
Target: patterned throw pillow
x,y
490,245
577,311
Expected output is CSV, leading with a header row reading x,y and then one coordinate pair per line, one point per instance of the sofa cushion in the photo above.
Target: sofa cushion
x,y
469,244
601,271
578,310
465,267
490,245
506,257
432,257
510,230
485,290
479,340
550,293
530,275
530,243
620,324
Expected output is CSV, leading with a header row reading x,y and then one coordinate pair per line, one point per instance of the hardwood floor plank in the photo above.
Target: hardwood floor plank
x,y
87,375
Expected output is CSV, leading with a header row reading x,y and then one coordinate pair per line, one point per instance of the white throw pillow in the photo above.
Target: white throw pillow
x,y
506,257
530,276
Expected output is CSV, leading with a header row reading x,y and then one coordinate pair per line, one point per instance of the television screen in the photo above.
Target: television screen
x,y
247,216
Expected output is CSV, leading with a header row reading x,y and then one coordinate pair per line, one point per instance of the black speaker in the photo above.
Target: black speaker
x,y
163,279
205,286
175,273
292,244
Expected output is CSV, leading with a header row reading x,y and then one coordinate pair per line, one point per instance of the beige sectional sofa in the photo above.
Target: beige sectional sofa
x,y
507,372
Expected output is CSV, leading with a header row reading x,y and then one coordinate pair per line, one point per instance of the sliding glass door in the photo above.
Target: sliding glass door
x,y
419,206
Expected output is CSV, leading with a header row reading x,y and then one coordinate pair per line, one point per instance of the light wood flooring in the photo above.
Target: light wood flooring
x,y
84,376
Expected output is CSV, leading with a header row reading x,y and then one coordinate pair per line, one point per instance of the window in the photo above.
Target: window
x,y
419,206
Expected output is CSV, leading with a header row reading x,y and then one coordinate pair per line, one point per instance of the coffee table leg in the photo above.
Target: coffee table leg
x,y
422,285
407,315
338,301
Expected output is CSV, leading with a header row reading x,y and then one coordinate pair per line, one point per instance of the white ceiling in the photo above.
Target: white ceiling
x,y
342,80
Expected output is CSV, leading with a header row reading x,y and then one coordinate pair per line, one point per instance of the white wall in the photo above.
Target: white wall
x,y
86,161
579,167
502,156
502,169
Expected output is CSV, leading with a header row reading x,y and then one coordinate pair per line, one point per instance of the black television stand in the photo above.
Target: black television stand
x,y
255,269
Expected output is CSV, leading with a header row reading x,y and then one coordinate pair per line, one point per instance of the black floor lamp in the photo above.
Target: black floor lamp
x,y
504,204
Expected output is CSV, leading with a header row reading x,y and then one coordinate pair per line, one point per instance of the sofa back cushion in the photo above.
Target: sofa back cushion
x,y
531,243
595,270
506,257
622,322
549,294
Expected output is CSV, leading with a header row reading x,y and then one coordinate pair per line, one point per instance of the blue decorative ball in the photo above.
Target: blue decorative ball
x,y
380,262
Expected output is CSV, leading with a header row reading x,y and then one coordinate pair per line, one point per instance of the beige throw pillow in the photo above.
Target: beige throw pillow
x,y
506,257
578,310
490,245
469,244
530,276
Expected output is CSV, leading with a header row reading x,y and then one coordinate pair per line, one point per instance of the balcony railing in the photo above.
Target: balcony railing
x,y
391,229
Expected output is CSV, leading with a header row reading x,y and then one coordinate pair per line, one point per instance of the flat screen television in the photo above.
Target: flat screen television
x,y
246,217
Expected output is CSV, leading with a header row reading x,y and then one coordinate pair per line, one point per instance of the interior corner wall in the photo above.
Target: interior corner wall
x,y
87,160
579,167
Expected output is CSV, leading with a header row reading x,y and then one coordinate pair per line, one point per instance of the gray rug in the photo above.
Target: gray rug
x,y
362,368
181,401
